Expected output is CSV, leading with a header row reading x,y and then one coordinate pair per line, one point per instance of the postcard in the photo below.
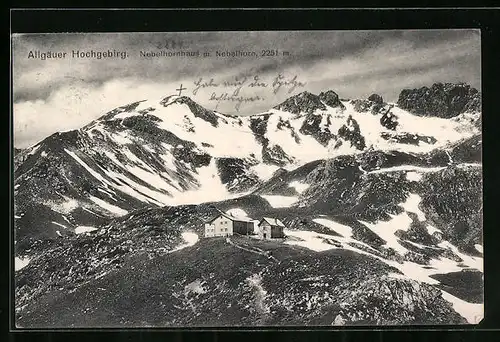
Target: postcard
x,y
247,179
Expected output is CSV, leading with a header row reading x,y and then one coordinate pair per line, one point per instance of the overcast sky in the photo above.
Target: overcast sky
x,y
59,94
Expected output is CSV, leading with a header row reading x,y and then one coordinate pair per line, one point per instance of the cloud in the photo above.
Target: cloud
x,y
74,106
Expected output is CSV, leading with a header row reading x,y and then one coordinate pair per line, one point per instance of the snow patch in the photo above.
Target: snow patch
x,y
21,262
470,261
84,229
211,188
479,248
255,281
284,138
299,186
387,229
408,168
310,240
237,212
65,207
122,138
413,176
90,211
189,238
60,225
86,167
195,287
431,230
178,119
264,171
33,150
410,270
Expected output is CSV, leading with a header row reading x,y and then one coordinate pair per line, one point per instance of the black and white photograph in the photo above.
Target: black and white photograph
x,y
247,179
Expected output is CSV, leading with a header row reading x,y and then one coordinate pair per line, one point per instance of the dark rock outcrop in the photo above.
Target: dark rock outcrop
x,y
408,138
311,126
374,104
352,133
234,173
194,157
258,125
275,155
389,120
376,98
362,106
441,100
270,154
452,201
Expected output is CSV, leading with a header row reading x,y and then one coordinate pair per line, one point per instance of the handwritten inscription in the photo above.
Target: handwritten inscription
x,y
235,88
238,100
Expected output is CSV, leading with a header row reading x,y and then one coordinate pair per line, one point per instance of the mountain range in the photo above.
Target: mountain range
x,y
382,203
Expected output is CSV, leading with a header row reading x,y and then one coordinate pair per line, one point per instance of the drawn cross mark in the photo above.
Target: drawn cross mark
x,y
180,89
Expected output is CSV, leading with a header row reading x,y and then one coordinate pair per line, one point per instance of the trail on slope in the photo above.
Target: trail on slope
x,y
255,282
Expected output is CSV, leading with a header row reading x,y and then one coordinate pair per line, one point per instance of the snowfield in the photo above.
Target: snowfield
x,y
180,120
237,212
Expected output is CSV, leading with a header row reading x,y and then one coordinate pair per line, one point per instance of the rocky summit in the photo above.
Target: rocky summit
x,y
381,203
304,102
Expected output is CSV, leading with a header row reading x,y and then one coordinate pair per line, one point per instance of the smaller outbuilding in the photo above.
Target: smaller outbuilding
x,y
271,228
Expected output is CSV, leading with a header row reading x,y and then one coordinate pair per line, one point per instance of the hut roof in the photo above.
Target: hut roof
x,y
272,221
230,217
